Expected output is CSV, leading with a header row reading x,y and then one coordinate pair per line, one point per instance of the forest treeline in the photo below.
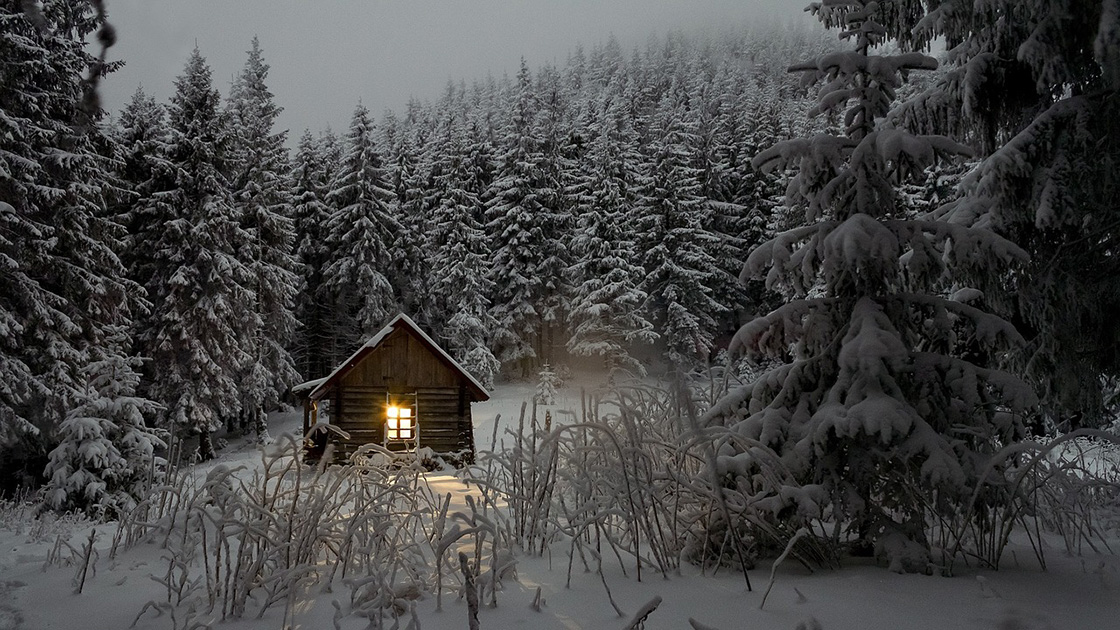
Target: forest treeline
x,y
589,208
178,268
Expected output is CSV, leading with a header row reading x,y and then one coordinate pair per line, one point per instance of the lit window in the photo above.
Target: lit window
x,y
400,425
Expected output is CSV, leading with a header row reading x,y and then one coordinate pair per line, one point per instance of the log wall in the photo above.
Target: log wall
x,y
442,416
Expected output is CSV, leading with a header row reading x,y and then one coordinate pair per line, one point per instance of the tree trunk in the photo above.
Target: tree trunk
x,y
205,446
260,425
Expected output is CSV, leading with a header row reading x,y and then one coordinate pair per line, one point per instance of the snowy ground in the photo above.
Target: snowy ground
x,y
1075,593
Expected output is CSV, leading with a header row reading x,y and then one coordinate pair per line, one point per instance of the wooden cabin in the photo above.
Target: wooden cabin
x,y
399,390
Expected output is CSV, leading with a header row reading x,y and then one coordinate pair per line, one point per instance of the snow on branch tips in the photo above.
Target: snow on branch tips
x,y
866,284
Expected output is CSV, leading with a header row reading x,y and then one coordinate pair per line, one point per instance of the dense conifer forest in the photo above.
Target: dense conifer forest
x,y
901,243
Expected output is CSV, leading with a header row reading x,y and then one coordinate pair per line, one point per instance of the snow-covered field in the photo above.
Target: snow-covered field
x,y
37,579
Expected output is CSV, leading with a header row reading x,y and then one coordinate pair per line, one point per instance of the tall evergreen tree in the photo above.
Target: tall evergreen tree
x,y
201,286
608,307
262,193
887,407
459,265
360,235
523,220
1032,84
725,220
140,134
409,173
311,173
62,287
559,146
676,244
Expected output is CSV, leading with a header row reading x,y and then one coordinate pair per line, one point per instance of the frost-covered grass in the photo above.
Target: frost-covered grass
x,y
556,527
236,546
633,472
608,483
1078,490
24,516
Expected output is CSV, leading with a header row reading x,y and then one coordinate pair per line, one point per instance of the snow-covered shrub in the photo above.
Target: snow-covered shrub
x,y
24,515
106,457
15,513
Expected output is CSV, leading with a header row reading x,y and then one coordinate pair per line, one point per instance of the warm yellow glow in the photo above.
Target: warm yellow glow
x,y
398,421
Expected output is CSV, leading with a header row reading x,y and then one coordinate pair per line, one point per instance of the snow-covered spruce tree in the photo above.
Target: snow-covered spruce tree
x,y
704,109
62,283
105,460
887,407
547,384
518,225
459,263
431,139
262,193
409,172
760,193
311,171
607,318
482,161
675,242
196,333
559,145
360,236
140,133
724,130
1034,84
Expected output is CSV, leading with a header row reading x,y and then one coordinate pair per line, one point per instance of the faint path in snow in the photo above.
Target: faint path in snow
x,y
10,617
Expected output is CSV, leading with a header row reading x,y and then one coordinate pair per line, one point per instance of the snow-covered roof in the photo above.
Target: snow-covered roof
x,y
320,386
308,386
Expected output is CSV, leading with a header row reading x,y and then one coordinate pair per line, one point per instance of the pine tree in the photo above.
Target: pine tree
x,y
63,284
360,235
725,220
559,146
105,463
311,176
675,241
1032,84
459,265
409,171
608,304
196,332
263,197
524,224
140,134
887,406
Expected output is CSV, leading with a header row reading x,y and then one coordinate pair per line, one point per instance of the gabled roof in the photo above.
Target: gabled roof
x,y
320,386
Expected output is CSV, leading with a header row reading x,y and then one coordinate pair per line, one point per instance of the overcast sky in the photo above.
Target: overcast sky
x,y
326,54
